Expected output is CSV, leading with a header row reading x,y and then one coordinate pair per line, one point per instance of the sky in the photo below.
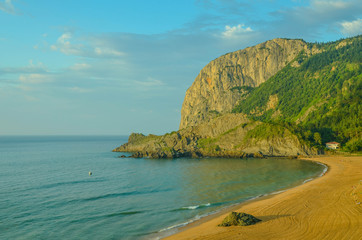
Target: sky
x,y
112,67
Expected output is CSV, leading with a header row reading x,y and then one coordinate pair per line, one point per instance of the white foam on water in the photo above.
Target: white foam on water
x,y
197,206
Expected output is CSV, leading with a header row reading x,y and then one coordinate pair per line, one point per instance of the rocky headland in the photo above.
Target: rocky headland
x,y
282,97
229,135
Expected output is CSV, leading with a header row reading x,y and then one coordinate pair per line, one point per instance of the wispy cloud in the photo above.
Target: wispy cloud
x,y
69,45
80,66
7,7
63,45
313,22
149,83
327,5
107,52
352,28
35,78
31,68
80,90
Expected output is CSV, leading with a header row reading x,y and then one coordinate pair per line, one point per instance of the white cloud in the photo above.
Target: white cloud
x,y
63,45
235,31
35,78
149,83
107,52
352,28
327,5
7,7
69,45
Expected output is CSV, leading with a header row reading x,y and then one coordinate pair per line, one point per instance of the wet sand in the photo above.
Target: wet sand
x,y
325,208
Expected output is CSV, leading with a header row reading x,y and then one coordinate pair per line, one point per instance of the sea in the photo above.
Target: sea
x,y
75,187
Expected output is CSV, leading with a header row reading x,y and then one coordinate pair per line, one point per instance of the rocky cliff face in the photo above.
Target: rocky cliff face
x,y
219,85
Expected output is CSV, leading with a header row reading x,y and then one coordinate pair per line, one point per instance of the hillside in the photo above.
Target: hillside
x,y
316,95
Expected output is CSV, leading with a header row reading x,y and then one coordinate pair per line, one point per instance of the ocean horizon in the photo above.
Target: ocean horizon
x,y
47,191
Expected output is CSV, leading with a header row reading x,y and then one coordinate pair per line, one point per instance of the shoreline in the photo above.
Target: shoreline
x,y
169,231
172,230
206,227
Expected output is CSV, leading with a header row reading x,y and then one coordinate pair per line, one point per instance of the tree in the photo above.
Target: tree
x,y
308,134
317,138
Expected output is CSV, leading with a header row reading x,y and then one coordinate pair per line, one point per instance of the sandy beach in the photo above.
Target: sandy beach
x,y
325,208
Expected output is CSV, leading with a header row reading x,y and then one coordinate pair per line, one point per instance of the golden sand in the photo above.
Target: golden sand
x,y
325,208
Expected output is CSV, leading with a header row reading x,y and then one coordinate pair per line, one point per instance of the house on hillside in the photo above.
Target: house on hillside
x,y
332,145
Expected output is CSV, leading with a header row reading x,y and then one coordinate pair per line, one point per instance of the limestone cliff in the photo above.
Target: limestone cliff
x,y
219,85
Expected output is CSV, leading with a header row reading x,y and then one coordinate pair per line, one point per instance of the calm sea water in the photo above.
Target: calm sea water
x,y
47,193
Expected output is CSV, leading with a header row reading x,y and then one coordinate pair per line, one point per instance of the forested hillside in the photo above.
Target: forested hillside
x,y
317,96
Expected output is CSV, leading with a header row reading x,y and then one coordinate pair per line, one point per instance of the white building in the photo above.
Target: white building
x,y
332,145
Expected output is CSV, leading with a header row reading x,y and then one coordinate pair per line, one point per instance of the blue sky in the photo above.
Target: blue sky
x,y
115,67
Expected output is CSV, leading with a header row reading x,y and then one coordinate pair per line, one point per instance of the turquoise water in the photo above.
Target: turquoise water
x,y
47,193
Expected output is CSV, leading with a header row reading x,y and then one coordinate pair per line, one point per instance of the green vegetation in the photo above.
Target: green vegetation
x,y
242,88
319,100
231,130
208,144
265,131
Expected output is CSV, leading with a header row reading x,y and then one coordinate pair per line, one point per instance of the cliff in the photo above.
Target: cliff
x,y
225,81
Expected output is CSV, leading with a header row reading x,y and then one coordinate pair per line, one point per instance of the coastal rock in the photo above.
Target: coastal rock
x,y
239,219
223,82
230,135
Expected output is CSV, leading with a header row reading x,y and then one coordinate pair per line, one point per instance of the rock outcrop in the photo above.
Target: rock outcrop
x,y
230,135
239,219
219,85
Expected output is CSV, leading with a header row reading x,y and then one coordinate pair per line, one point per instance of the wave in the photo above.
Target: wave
x,y
308,180
53,185
109,195
197,217
192,207
123,213
196,206
115,195
324,170
111,215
